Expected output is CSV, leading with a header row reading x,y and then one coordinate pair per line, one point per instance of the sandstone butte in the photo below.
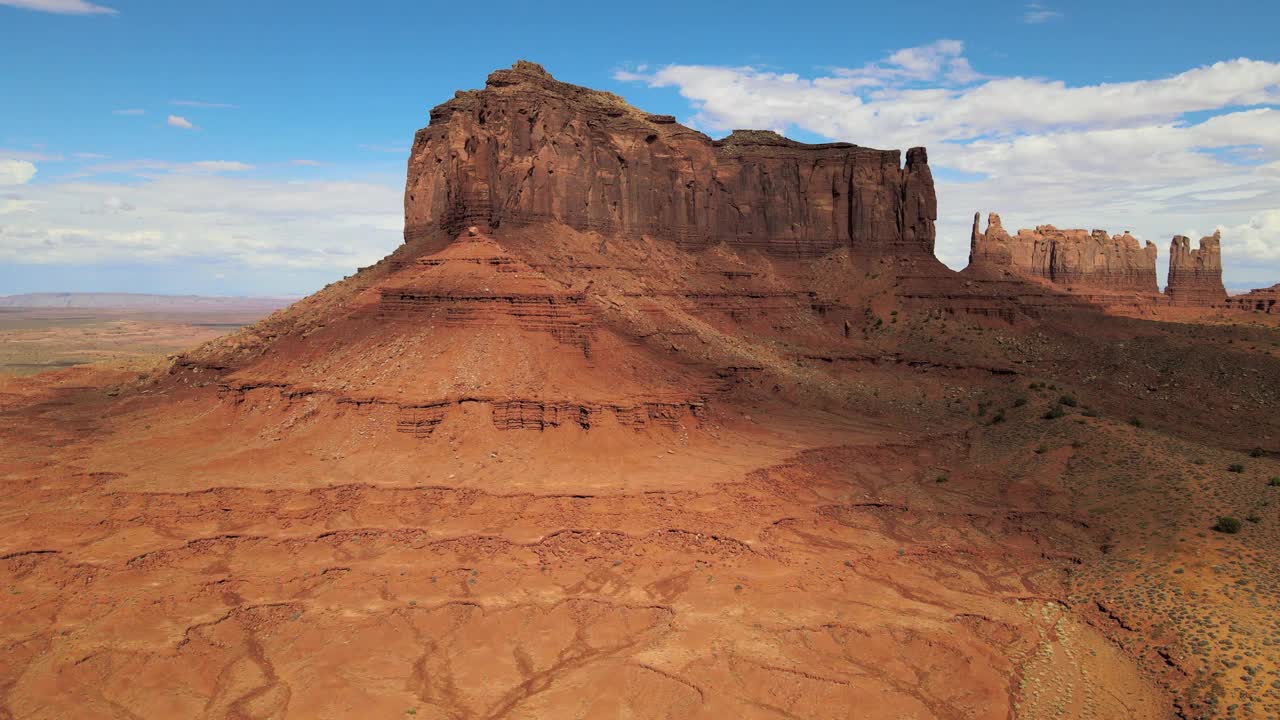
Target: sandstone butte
x,y
1110,269
529,149
637,423
1195,276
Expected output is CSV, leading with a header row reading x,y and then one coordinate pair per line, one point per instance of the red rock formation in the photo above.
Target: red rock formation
x,y
1195,276
1266,300
529,148
1075,259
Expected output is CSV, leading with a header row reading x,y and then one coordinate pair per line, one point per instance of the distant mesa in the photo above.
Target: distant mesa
x,y
1083,258
141,302
1092,262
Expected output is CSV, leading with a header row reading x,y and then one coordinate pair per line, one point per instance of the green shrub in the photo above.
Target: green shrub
x,y
1020,402
1235,468
1257,452
1135,422
1068,400
1274,482
1054,413
1228,525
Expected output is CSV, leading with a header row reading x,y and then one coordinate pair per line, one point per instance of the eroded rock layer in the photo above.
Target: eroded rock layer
x,y
1076,259
529,149
1265,300
1195,276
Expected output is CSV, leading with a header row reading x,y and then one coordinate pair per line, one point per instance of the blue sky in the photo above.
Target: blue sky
x,y
300,116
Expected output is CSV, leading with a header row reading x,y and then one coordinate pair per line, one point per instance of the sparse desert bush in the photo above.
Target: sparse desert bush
x,y
1136,422
1235,468
1068,400
1257,452
1054,413
1274,482
1228,525
1020,402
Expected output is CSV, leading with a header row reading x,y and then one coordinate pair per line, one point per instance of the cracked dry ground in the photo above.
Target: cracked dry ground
x,y
834,581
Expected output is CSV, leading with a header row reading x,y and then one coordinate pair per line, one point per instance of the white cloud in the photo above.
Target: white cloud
x,y
201,104
186,216
220,166
16,172
1125,155
1258,238
1037,14
306,163
30,155
179,122
129,111
155,168
61,7
385,148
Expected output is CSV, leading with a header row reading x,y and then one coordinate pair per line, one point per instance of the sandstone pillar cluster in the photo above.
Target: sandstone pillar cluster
x,y
1093,262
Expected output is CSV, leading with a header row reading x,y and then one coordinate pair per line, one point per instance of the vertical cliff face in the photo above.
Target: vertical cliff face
x,y
1072,258
1195,276
1264,300
529,149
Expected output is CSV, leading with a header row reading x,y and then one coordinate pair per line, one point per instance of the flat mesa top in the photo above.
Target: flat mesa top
x,y
525,77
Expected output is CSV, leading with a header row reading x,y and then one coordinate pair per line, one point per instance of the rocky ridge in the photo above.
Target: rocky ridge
x,y
1076,259
1108,270
528,149
1264,300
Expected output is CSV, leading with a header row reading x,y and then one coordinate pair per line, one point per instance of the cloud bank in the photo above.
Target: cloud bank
x,y
61,7
16,172
1182,154
203,212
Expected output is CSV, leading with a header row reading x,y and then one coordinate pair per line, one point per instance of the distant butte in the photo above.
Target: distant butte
x,y
1067,257
1110,270
528,148
1195,276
